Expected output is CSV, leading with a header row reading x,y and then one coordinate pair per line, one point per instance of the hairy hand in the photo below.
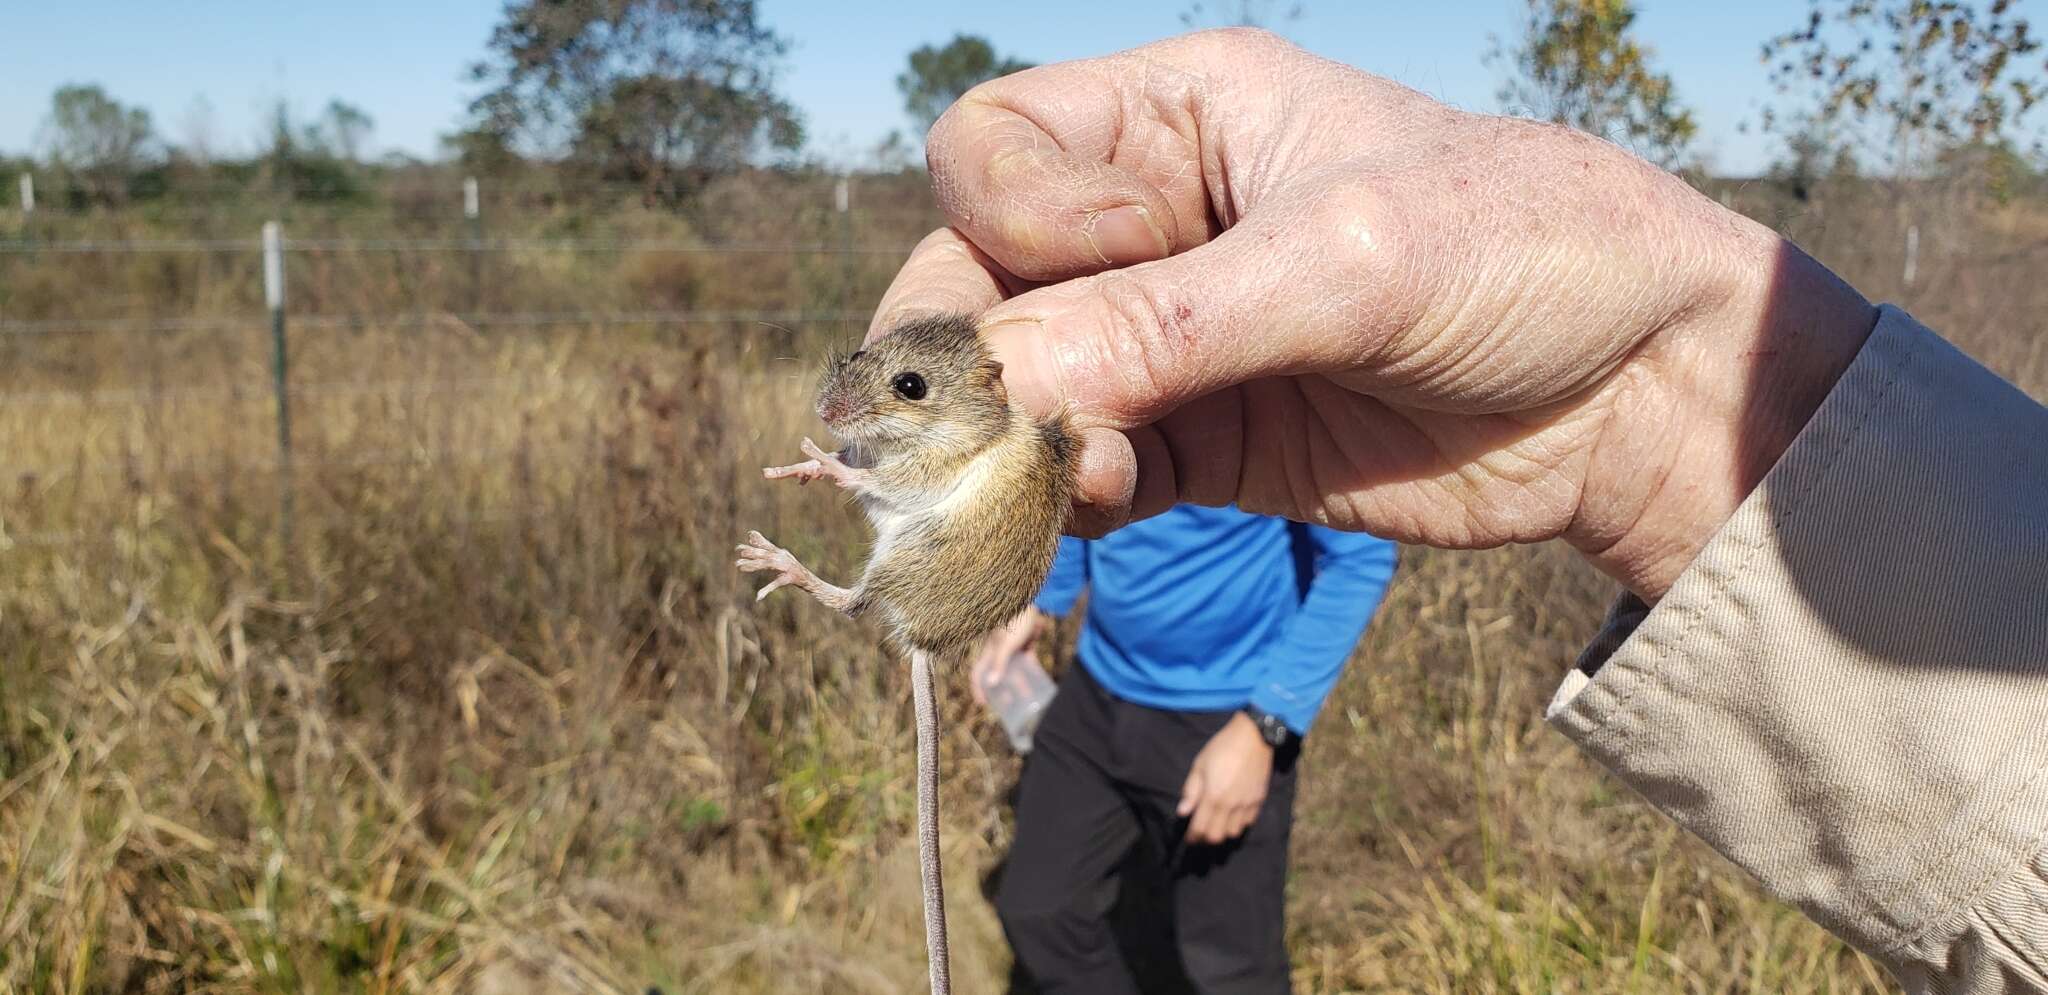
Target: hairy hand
x,y
1018,635
1227,783
1254,275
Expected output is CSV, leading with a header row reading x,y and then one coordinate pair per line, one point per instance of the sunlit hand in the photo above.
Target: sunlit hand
x,y
1019,635
1227,783
1254,275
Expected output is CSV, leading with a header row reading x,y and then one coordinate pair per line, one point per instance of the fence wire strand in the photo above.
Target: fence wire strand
x,y
150,467
424,319
234,245
131,396
153,463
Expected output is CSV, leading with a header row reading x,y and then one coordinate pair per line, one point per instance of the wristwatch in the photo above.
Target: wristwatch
x,y
1271,728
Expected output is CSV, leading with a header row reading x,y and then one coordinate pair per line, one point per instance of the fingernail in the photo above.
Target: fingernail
x,y
1028,372
1125,235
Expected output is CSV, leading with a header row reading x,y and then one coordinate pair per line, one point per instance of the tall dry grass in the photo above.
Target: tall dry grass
x,y
501,718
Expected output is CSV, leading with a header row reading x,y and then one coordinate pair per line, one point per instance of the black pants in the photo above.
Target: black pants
x,y
1102,781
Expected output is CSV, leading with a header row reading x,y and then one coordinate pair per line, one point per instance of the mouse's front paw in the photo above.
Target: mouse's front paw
x,y
821,466
804,472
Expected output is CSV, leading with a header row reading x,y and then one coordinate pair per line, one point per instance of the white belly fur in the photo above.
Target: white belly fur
x,y
893,518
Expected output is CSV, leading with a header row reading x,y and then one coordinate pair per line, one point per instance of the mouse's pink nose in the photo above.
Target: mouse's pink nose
x,y
834,407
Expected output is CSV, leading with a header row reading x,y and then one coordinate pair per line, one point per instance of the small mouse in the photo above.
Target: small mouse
x,y
967,496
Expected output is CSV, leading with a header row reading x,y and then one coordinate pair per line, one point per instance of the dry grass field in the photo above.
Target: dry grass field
x,y
499,717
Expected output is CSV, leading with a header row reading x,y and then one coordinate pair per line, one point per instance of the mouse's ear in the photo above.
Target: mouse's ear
x,y
994,372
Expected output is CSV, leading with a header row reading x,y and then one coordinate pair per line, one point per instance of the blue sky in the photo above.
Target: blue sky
x,y
405,63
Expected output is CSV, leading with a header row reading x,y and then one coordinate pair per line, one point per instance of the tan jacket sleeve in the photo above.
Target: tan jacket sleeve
x,y
1847,692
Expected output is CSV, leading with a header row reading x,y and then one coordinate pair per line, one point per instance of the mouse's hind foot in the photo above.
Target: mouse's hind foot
x,y
758,554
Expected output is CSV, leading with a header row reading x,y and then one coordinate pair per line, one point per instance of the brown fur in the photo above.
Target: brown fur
x,y
946,577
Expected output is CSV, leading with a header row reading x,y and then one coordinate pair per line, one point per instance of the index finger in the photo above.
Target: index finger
x,y
1070,169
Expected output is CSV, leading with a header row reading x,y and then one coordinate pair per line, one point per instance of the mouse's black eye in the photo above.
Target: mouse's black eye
x,y
908,386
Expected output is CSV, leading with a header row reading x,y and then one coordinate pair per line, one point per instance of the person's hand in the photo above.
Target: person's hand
x,y
1253,275
1018,635
1227,783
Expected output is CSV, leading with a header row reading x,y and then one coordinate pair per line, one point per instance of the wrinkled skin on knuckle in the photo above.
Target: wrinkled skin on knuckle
x,y
1513,297
1148,336
1227,52
1376,261
975,141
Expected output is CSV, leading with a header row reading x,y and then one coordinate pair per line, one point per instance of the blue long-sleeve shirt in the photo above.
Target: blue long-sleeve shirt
x,y
1207,609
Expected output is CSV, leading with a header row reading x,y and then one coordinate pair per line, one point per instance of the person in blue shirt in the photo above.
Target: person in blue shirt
x,y
1211,638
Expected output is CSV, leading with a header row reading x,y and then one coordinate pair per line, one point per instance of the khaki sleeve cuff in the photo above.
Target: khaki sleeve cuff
x,y
1846,693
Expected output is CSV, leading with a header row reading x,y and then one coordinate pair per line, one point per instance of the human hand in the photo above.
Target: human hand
x,y
1227,783
1253,275
1018,635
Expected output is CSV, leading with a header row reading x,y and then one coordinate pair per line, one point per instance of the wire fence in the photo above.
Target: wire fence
x,y
421,455
428,319
253,245
438,457
27,198
130,396
49,335
141,440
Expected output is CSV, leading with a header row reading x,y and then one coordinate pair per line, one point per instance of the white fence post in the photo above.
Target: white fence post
x,y
1912,253
472,209
273,298
842,202
28,193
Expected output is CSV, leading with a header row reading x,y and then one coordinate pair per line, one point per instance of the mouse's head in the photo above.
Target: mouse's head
x,y
930,382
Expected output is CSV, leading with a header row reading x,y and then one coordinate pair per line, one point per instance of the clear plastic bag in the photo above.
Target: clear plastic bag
x,y
1018,693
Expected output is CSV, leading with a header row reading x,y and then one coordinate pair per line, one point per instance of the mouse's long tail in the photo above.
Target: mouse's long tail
x,y
925,692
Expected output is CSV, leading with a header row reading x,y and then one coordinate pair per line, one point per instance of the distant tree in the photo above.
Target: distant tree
x,y
664,93
1578,63
482,150
1910,77
97,140
1238,14
2000,166
893,154
281,144
341,130
1814,152
938,75
198,131
304,162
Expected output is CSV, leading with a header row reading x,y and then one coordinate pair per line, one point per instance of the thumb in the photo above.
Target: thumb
x,y
1190,794
1122,348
